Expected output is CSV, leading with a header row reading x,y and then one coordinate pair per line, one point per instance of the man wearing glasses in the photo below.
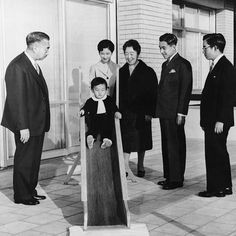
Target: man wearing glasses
x,y
217,116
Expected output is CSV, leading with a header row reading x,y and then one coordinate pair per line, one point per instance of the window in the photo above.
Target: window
x,y
190,24
74,39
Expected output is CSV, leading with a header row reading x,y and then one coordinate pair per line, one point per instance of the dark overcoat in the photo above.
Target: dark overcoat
x,y
137,98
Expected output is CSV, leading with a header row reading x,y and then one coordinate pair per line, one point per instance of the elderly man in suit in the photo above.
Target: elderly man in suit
x,y
27,115
217,116
174,91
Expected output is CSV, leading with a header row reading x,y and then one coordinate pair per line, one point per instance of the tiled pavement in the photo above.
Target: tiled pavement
x,y
166,212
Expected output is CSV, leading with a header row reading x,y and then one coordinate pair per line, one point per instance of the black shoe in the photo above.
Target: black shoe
x,y
31,202
162,182
172,185
39,197
211,194
141,173
228,191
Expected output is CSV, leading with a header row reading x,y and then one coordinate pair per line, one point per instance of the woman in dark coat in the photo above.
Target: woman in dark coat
x,y
137,102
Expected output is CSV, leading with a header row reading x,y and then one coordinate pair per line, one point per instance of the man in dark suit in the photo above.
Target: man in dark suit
x,y
217,116
174,92
27,115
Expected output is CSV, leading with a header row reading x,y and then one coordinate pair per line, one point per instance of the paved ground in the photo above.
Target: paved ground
x,y
166,212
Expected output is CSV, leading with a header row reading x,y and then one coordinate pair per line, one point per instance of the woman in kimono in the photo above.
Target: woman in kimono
x,y
105,68
137,103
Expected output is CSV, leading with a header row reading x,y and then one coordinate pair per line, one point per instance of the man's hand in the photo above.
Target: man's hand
x,y
219,127
180,120
24,135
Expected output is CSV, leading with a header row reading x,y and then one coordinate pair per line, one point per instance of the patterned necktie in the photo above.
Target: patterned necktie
x,y
36,66
211,66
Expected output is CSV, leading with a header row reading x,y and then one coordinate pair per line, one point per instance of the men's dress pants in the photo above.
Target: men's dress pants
x,y
26,166
173,150
218,171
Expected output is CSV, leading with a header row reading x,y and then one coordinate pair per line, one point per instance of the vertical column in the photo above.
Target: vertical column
x,y
225,25
2,85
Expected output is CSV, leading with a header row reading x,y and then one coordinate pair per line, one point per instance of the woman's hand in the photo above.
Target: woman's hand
x,y
180,120
118,115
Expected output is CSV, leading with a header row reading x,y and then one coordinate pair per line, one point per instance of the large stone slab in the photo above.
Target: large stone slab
x,y
134,230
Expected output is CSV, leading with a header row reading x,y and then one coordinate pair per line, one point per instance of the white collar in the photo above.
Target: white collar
x,y
172,56
98,99
30,58
217,59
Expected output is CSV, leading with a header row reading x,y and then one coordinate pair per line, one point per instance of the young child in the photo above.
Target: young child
x,y
100,110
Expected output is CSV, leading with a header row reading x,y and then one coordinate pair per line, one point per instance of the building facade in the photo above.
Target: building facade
x,y
75,28
147,20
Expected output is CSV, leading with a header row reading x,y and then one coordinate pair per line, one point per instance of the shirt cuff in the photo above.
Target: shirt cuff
x,y
179,114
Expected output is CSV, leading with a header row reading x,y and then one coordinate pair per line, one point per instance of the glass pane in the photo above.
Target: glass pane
x,y
15,18
204,20
191,17
55,138
73,127
205,65
176,15
17,25
82,37
192,52
179,35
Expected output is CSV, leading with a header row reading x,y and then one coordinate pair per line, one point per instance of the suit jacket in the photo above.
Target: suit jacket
x,y
175,86
97,70
218,95
138,91
90,106
27,102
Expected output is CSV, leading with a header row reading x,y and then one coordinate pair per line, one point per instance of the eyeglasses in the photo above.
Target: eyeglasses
x,y
204,48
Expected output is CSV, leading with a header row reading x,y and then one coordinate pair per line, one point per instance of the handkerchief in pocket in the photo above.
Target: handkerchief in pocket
x,y
172,71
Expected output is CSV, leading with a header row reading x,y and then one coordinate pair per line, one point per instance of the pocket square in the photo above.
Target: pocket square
x,y
172,71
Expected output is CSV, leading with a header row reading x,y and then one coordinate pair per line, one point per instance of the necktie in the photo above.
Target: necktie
x,y
211,66
36,66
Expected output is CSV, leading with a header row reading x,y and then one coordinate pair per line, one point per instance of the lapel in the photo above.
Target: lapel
x,y
167,67
218,65
37,77
105,70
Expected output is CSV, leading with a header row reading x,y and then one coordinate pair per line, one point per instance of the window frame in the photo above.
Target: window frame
x,y
183,30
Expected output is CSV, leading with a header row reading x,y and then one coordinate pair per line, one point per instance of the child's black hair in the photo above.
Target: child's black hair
x,y
98,80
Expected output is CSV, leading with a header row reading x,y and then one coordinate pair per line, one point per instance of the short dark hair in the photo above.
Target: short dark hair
x,y
134,44
36,37
97,81
215,39
105,43
169,38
